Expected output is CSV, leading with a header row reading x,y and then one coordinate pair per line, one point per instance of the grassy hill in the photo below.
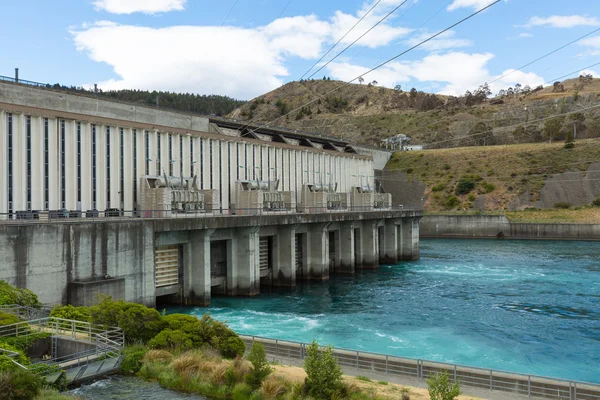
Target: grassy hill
x,y
507,177
367,113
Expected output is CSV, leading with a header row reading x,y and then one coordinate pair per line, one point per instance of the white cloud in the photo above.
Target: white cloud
x,y
443,42
525,35
475,4
142,6
563,21
234,61
456,71
593,42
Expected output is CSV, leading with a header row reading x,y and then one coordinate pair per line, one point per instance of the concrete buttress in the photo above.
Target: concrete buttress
x,y
244,279
390,247
197,276
347,247
409,243
284,268
318,252
369,248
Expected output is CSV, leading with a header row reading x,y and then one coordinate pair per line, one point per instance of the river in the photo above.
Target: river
x,y
520,306
128,388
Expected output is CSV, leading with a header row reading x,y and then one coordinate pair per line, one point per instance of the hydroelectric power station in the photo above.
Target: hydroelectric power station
x,y
104,197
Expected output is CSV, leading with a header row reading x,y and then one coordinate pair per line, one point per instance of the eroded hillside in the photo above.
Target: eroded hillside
x,y
368,113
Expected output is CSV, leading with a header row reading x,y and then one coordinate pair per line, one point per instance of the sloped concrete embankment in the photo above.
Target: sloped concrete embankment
x,y
489,226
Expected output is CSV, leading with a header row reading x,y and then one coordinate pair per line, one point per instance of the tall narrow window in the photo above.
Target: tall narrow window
x,y
135,178
201,163
220,177
238,164
28,144
289,168
210,161
275,169
78,164
159,155
121,168
191,156
63,160
94,166
147,139
181,155
170,155
46,164
10,165
246,161
108,167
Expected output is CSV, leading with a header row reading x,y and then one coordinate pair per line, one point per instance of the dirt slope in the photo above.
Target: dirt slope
x,y
368,113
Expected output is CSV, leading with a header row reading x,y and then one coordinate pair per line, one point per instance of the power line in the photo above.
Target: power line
x,y
229,13
363,35
571,73
284,8
338,42
415,31
386,62
263,125
545,55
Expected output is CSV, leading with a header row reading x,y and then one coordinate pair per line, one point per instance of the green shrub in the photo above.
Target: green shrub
x,y
440,387
5,361
139,323
472,197
260,366
447,167
171,339
438,188
8,319
466,183
569,145
241,391
488,187
133,359
452,202
183,322
596,203
12,295
219,336
70,312
562,204
19,385
23,342
363,378
324,375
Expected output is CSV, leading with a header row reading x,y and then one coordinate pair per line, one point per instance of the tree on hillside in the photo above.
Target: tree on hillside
x,y
398,88
553,128
413,92
558,87
361,80
375,83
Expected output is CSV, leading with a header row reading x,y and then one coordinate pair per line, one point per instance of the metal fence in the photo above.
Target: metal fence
x,y
106,343
526,385
115,215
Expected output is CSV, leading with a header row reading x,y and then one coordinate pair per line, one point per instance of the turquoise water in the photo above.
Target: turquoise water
x,y
521,306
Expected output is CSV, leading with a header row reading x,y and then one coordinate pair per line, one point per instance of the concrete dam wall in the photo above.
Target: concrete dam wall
x,y
488,226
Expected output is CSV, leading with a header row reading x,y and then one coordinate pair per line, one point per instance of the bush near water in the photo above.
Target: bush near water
x,y
181,352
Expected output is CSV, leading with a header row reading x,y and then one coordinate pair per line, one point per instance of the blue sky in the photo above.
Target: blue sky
x,y
180,45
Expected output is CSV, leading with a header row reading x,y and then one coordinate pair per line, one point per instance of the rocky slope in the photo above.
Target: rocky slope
x,y
368,113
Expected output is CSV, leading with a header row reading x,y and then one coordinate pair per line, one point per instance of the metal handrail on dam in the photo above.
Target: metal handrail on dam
x,y
494,380
57,216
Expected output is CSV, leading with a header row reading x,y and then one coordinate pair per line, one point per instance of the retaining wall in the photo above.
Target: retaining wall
x,y
488,226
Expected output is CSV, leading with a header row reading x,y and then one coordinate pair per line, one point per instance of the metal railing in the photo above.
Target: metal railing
x,y
25,312
66,216
495,380
25,82
107,343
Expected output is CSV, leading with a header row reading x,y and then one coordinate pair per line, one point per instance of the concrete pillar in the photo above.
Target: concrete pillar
x,y
369,248
196,277
318,252
284,268
347,247
390,238
243,275
409,239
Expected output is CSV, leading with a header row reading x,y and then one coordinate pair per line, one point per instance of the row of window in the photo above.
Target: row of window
x,y
242,172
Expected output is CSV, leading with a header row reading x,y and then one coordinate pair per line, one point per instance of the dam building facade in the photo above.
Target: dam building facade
x,y
107,197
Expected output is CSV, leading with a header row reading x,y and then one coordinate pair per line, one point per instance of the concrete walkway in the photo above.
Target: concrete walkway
x,y
409,381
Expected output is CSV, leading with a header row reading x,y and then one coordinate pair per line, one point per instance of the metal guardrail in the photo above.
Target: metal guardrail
x,y
108,343
26,313
494,380
66,216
